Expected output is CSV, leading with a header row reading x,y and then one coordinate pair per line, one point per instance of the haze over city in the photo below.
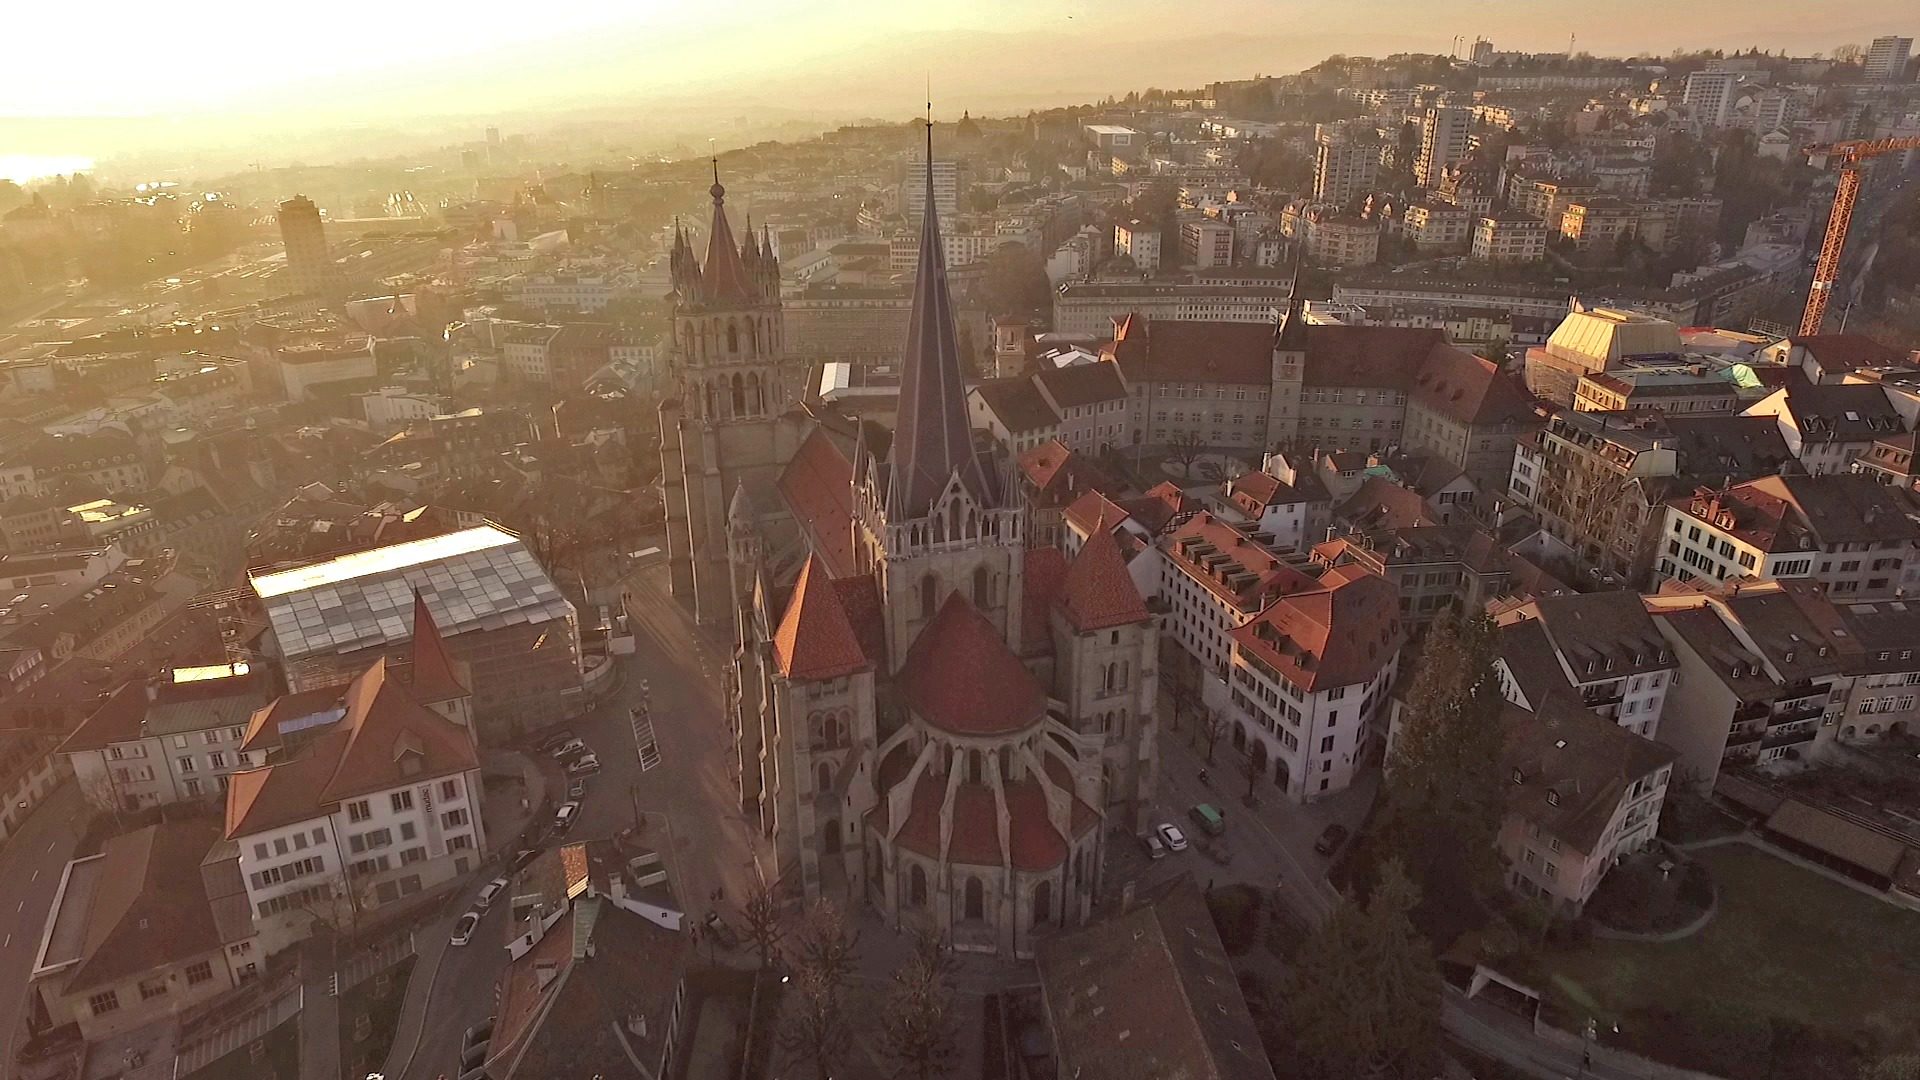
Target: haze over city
x,y
1094,540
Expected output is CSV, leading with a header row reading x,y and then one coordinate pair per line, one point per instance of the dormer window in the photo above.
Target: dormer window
x,y
1553,797
1519,777
1789,656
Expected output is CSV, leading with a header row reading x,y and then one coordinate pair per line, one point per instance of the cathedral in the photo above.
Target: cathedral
x,y
936,715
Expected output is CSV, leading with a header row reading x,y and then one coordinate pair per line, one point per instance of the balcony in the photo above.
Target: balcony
x,y
1809,711
1742,738
1789,738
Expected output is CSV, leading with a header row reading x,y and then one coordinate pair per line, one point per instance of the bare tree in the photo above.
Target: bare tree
x,y
821,956
1255,770
1212,725
761,916
1184,447
918,1031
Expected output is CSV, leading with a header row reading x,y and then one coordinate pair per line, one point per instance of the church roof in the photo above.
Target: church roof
x,y
1099,592
723,277
960,676
933,441
1043,573
815,639
434,676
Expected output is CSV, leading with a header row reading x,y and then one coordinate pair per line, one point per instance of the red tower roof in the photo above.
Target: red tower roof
x,y
435,677
723,278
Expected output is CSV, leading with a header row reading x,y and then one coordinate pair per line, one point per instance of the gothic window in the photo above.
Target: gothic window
x,y
1042,902
830,837
982,588
753,335
759,396
733,337
976,900
823,777
953,520
1006,764
973,767
917,887
928,586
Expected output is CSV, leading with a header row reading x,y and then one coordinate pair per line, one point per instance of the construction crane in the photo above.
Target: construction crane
x,y
1827,271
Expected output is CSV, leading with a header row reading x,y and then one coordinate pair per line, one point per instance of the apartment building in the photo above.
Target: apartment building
x,y
1827,427
172,738
1509,239
1434,569
1344,166
1584,794
370,794
1859,540
1672,390
1594,225
1139,241
1887,58
1761,675
1709,95
1214,578
1092,403
1602,648
1437,228
1207,244
1445,137
1093,308
1341,240
1309,681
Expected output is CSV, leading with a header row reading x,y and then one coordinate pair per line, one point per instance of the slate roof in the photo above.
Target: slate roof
x,y
1017,403
1574,766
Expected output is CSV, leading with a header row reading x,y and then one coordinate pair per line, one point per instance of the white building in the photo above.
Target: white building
x,y
1887,57
1140,241
1710,95
1602,647
370,793
173,738
1445,137
1207,244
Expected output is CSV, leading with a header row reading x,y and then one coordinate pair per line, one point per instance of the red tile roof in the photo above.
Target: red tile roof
x,y
818,487
383,739
1270,575
1087,511
1469,390
1099,592
1035,843
1338,635
960,676
975,836
1379,503
1161,506
435,677
815,640
1043,463
860,598
149,906
1043,574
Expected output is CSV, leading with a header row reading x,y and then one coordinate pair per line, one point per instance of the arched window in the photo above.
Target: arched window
x,y
973,768
982,588
953,520
739,396
929,585
823,777
759,396
917,887
733,337
1042,903
976,902
830,837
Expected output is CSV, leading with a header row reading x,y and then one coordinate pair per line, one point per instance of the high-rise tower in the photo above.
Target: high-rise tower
x,y
310,266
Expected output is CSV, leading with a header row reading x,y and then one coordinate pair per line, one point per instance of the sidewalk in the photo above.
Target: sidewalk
x,y
413,1010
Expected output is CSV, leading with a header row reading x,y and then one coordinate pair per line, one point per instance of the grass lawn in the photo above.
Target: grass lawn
x,y
1791,961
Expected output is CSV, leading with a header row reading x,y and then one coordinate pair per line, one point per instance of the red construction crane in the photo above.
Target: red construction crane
x,y
1827,271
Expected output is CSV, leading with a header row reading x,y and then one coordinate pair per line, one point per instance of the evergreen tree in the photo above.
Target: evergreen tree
x,y
1364,997
1445,798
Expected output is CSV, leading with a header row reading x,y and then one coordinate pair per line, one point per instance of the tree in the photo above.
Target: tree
x,y
1363,1002
1212,725
918,1031
1445,796
1016,281
1184,447
1255,770
1498,352
762,918
821,958
1897,1067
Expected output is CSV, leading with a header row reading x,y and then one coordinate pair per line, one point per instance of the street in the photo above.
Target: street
x,y
690,812
30,869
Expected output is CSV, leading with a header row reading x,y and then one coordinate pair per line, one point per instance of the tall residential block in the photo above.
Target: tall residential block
x,y
1710,95
1887,57
1444,139
1343,167
304,236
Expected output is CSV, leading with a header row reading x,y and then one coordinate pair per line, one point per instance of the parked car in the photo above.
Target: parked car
x,y
569,748
463,929
555,738
716,928
479,1033
586,765
474,1056
1330,839
1171,836
1155,849
488,892
523,857
563,818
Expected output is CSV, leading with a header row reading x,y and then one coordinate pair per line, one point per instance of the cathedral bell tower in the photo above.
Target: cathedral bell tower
x,y
727,330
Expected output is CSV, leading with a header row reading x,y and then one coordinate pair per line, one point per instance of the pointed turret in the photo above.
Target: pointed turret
x,y
1099,592
436,676
723,279
933,442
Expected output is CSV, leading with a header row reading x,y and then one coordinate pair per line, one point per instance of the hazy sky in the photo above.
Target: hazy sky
x,y
252,62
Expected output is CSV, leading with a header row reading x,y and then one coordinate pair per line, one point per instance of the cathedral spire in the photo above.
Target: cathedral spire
x,y
724,280
933,441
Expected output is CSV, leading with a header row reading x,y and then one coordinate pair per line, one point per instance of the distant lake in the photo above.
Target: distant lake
x,y
21,168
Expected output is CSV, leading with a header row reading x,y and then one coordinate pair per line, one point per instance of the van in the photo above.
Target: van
x,y
1210,820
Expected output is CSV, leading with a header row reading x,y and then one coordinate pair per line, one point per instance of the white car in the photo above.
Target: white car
x,y
563,818
488,892
569,748
585,763
1171,836
463,929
